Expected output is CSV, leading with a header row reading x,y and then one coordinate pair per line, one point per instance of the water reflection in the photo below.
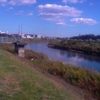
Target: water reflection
x,y
79,55
84,60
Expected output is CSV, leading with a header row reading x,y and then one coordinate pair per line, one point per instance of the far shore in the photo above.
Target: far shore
x,y
73,50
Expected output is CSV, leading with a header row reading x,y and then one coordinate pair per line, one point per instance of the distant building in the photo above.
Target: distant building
x,y
37,36
1,32
29,36
23,36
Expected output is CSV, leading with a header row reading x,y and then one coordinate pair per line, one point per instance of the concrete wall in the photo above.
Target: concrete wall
x,y
21,52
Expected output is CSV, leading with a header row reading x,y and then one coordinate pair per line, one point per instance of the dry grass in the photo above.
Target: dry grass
x,y
77,76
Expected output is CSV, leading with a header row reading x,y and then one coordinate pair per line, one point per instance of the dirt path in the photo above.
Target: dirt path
x,y
79,93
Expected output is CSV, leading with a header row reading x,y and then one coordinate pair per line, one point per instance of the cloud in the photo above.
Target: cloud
x,y
30,14
57,13
73,1
3,1
61,23
10,8
21,2
20,13
17,2
88,21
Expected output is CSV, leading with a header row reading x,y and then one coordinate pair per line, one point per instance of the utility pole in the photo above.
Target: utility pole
x,y
20,32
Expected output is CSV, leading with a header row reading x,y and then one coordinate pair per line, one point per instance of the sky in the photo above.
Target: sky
x,y
57,18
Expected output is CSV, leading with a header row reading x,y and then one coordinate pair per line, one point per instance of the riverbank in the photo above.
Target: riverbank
x,y
20,80
87,47
78,77
75,58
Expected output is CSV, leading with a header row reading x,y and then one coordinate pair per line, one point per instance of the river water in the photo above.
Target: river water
x,y
83,60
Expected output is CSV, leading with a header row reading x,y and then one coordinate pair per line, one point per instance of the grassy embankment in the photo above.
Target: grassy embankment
x,y
86,79
89,47
18,81
79,77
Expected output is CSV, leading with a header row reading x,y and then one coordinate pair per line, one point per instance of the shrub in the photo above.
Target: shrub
x,y
7,47
29,54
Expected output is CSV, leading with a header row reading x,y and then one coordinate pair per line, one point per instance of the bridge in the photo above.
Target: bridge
x,y
5,38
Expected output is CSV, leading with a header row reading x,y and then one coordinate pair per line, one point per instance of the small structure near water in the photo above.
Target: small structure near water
x,y
19,48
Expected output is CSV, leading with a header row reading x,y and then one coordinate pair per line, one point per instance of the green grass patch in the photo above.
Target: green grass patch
x,y
21,82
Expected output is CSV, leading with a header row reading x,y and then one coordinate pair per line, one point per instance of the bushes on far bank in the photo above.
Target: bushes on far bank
x,y
89,47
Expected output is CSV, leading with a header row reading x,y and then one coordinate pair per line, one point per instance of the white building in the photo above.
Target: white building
x,y
37,36
1,32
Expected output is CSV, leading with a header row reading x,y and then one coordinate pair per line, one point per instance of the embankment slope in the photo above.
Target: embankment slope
x,y
18,81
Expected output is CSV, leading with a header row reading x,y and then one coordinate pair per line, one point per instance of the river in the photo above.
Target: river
x,y
83,60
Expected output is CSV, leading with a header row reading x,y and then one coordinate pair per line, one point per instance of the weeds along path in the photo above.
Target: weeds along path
x,y
20,80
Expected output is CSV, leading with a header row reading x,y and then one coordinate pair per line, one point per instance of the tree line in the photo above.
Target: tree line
x,y
87,37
